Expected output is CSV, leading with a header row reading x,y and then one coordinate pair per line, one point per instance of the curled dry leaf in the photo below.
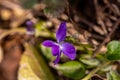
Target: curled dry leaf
x,y
32,66
1,54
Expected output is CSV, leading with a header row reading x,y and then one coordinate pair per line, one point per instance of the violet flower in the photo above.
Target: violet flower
x,y
30,27
61,46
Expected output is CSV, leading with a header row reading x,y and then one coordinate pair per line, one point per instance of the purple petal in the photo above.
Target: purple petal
x,y
48,43
55,50
61,33
57,58
69,50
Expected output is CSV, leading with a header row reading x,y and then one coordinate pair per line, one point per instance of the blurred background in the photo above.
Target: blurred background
x,y
90,26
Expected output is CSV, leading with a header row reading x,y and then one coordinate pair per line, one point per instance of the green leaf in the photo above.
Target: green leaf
x,y
41,30
70,39
72,69
47,53
27,4
41,25
86,48
32,66
113,50
106,68
113,75
109,77
91,62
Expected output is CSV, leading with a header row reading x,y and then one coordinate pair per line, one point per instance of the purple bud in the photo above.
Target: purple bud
x,y
30,27
29,23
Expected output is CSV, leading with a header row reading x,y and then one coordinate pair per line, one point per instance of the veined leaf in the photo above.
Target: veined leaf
x,y
113,75
47,52
72,69
91,62
113,52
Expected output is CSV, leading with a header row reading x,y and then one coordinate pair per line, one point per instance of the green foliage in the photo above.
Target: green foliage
x,y
113,75
40,26
70,39
106,68
27,4
113,50
47,53
90,62
32,66
54,7
86,48
72,69
41,30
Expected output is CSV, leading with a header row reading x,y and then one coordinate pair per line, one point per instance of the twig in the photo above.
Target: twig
x,y
99,76
68,13
80,30
107,39
75,28
99,16
93,26
20,14
19,30
111,7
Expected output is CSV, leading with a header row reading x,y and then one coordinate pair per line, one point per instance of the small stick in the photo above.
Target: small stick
x,y
107,39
